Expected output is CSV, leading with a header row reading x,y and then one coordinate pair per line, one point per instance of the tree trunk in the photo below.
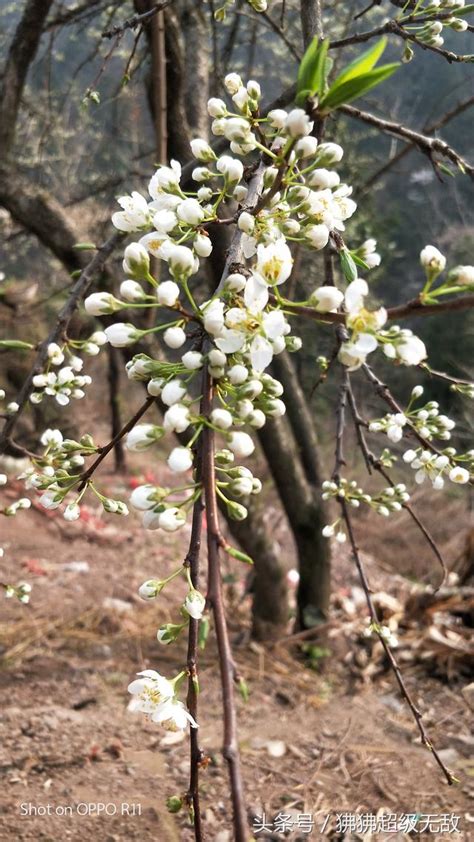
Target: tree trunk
x,y
302,503
315,551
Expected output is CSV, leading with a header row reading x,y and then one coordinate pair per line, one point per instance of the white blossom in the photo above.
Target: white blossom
x,y
298,124
459,475
177,418
174,337
121,334
192,360
241,444
141,497
167,293
180,459
141,437
326,299
173,392
194,604
432,260
135,213
221,418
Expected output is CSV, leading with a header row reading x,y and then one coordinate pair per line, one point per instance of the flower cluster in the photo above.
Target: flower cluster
x,y
429,32
390,499
436,466
425,420
67,382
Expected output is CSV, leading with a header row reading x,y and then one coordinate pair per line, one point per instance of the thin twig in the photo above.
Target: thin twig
x,y
417,715
196,754
57,334
384,392
215,599
367,590
372,463
111,444
429,145
136,20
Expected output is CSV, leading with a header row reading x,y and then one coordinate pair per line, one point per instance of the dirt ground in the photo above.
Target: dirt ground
x,y
324,741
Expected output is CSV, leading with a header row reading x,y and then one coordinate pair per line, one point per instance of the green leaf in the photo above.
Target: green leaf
x,y
447,170
16,344
84,246
312,71
244,689
363,63
203,633
238,554
358,261
348,265
354,88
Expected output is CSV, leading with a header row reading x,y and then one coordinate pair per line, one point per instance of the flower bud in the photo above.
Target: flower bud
x,y
221,418
329,153
121,334
150,589
326,299
173,392
101,303
236,511
167,293
306,147
142,436
241,487
180,460
171,519
224,458
192,360
237,374
202,245
201,149
298,124
432,260
181,261
232,83
216,107
174,337
131,291
194,604
235,282
136,261
241,444
246,222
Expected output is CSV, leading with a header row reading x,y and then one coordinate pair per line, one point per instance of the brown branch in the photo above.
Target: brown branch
x,y
429,145
394,27
365,584
401,311
215,596
426,741
196,754
104,451
451,57
441,375
136,20
372,463
57,334
215,599
427,129
384,392
416,308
